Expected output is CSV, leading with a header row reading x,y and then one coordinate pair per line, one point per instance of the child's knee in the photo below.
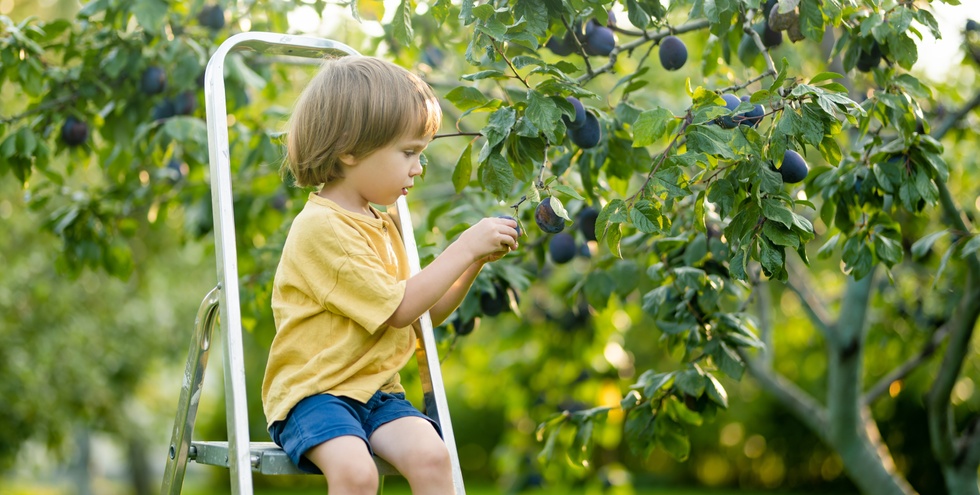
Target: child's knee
x,y
353,477
430,462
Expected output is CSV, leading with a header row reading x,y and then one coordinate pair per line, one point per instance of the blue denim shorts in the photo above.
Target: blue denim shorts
x,y
323,417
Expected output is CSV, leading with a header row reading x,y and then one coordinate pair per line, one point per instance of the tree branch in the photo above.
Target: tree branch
x,y
814,307
804,407
941,426
905,368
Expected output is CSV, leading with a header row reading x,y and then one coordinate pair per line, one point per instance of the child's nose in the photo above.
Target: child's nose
x,y
416,169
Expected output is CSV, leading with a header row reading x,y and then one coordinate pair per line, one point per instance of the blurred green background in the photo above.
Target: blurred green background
x,y
95,361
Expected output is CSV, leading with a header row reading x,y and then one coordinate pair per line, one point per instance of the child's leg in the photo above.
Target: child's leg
x,y
413,447
347,464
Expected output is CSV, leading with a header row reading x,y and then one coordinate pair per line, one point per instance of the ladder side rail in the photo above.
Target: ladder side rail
x,y
427,355
224,221
190,394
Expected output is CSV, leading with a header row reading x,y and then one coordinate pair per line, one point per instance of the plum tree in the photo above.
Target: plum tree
x,y
731,103
561,247
586,222
589,134
547,219
793,168
74,132
659,177
212,17
673,53
153,81
580,112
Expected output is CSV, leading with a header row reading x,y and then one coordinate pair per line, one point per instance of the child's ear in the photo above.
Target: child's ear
x,y
348,159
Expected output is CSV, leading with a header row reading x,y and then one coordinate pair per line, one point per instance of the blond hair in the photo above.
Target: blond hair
x,y
353,106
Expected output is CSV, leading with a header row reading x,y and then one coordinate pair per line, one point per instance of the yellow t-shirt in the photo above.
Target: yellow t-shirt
x,y
341,276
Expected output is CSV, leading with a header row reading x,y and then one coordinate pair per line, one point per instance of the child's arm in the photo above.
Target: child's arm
x,y
444,282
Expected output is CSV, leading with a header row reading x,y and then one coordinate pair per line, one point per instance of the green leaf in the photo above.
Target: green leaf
x,y
771,258
780,235
499,125
645,217
710,140
464,169
888,250
610,212
567,191
636,14
716,391
485,74
151,14
775,210
690,381
581,448
497,176
543,113
971,246
922,246
614,234
672,438
825,76
466,97
598,287
534,14
650,126
401,24
722,194
727,360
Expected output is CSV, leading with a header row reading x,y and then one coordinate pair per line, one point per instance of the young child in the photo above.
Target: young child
x,y
344,304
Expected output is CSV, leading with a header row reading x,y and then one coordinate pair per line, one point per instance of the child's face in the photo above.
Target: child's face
x,y
387,173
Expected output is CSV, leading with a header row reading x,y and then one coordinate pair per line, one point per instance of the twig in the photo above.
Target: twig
x,y
509,64
578,44
647,37
905,368
747,27
455,134
663,157
43,107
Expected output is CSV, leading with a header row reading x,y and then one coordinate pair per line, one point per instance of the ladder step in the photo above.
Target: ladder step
x,y
266,458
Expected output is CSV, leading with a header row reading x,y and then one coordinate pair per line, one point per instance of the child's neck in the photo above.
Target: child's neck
x,y
347,201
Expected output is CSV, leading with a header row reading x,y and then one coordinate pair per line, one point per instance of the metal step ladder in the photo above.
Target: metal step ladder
x,y
222,303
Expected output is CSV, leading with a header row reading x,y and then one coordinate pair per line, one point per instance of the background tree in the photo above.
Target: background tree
x,y
713,192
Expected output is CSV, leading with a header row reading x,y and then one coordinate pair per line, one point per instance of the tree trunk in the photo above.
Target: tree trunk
x,y
140,475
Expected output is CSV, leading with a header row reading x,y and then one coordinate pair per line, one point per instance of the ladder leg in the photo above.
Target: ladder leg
x,y
427,356
190,394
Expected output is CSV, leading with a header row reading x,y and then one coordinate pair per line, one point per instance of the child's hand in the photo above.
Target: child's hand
x,y
491,238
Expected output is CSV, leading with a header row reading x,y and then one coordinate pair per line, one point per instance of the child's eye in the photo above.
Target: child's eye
x,y
410,153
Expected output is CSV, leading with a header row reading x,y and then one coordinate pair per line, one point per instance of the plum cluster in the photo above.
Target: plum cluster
x,y
596,38
751,118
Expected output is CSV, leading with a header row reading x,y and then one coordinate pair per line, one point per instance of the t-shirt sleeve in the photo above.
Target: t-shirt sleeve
x,y
346,277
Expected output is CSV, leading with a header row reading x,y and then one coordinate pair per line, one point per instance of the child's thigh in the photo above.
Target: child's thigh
x,y
344,457
406,440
